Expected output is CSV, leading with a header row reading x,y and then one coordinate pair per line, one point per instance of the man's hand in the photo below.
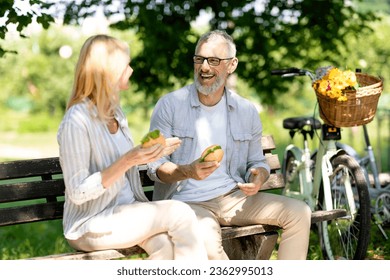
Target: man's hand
x,y
200,170
170,172
258,177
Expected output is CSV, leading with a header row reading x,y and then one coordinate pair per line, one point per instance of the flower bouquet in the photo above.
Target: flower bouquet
x,y
346,98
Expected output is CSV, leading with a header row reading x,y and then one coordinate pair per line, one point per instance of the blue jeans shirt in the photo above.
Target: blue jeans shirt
x,y
175,115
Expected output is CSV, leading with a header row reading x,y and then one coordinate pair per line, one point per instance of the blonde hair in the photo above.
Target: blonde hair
x,y
101,63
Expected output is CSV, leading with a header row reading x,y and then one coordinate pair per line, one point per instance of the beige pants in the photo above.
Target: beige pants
x,y
165,229
235,208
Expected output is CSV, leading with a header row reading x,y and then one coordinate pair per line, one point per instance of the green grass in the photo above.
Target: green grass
x,y
46,238
379,247
32,240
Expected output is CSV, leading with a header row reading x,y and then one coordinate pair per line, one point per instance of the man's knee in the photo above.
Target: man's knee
x,y
304,210
301,211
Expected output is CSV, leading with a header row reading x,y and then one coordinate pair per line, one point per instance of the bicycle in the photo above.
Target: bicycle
x,y
379,195
327,179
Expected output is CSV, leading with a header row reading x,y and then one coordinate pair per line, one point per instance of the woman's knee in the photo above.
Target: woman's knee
x,y
181,209
210,232
158,247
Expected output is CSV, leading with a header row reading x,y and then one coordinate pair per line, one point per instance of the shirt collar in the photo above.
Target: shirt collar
x,y
194,99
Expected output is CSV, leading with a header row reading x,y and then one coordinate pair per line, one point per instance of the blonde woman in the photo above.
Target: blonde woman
x,y
105,206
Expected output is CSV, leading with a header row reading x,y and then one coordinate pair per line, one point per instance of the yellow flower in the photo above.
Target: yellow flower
x,y
350,78
335,82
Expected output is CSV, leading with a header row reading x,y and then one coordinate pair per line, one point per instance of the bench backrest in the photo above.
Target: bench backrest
x,y
33,190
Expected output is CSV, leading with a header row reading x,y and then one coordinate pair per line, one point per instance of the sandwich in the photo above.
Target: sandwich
x,y
212,153
152,138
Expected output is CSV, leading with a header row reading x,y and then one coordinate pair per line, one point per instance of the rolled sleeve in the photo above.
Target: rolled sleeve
x,y
89,189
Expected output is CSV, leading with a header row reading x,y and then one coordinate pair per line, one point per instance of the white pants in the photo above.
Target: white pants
x,y
235,208
166,230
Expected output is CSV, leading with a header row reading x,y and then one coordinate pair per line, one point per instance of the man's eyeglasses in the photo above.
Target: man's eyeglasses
x,y
212,61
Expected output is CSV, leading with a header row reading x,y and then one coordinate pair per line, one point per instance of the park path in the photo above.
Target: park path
x,y
9,151
27,145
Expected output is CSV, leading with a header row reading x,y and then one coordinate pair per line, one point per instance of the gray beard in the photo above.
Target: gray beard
x,y
207,90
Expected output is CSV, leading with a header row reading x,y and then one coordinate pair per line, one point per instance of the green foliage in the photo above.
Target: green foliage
x,y
269,35
40,78
162,37
22,121
377,6
39,122
13,14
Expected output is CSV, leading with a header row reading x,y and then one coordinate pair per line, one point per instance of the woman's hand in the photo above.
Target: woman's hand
x,y
171,145
139,155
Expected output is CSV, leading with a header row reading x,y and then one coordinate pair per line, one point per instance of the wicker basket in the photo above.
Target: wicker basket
x,y
359,109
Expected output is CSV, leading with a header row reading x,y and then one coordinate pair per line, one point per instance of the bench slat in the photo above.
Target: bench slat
x,y
29,168
96,255
275,181
268,143
234,232
31,190
273,162
322,215
31,213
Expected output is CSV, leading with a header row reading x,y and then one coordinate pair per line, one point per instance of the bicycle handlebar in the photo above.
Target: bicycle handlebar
x,y
291,72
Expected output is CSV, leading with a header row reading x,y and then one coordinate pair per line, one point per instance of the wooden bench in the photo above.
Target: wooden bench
x,y
38,187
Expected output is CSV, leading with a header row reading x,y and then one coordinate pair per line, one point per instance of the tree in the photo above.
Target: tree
x,y
13,13
269,34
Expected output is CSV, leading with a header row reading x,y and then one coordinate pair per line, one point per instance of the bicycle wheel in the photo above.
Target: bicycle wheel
x,y
346,237
382,208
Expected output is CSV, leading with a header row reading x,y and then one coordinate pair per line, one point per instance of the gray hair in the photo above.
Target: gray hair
x,y
214,34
